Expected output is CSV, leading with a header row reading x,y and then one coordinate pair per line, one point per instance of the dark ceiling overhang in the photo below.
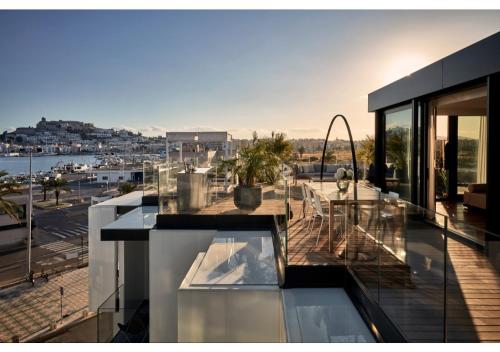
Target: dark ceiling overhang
x,y
471,63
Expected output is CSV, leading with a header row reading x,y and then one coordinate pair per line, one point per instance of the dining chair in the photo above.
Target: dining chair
x,y
370,209
305,202
323,213
387,216
310,203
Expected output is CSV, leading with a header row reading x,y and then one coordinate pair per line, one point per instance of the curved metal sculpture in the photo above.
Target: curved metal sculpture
x,y
354,163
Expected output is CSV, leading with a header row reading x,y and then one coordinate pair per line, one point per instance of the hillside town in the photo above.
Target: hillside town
x,y
66,137
75,137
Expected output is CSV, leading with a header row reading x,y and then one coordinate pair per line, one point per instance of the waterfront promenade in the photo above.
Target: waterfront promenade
x,y
27,310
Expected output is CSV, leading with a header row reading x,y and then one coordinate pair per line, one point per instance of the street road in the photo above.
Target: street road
x,y
60,238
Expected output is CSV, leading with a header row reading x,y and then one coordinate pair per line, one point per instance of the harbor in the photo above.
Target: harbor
x,y
52,165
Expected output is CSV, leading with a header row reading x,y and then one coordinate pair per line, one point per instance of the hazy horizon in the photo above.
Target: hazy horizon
x,y
152,71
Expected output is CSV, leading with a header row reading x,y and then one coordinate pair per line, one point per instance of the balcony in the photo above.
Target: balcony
x,y
410,277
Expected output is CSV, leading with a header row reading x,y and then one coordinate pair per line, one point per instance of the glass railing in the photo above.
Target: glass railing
x,y
150,178
123,319
213,190
433,284
472,283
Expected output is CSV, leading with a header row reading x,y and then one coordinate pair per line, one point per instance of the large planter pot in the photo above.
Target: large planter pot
x,y
247,198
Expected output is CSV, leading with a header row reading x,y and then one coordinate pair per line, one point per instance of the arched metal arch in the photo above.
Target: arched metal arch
x,y
354,163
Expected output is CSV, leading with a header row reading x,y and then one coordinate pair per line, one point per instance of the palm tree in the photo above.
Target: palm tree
x,y
366,150
59,185
8,207
46,186
330,156
279,146
277,150
127,187
260,161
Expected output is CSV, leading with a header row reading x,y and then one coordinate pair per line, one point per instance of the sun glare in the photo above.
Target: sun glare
x,y
404,65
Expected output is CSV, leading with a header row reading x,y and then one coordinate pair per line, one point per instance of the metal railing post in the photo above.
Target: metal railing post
x,y
445,283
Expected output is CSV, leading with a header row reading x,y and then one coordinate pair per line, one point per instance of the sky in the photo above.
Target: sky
x,y
241,71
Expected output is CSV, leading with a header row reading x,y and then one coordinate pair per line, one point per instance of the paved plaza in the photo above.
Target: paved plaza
x,y
26,310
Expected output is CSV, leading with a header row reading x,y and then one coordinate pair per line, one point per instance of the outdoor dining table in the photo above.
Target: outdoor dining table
x,y
331,193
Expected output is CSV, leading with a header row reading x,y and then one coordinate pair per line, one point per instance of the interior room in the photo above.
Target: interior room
x,y
460,160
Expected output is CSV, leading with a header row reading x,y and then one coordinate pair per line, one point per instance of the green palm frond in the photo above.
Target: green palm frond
x,y
8,206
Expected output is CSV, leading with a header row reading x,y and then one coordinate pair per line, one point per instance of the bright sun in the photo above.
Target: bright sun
x,y
403,65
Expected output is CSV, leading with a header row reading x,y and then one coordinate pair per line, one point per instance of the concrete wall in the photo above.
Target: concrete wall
x,y
171,253
102,257
231,314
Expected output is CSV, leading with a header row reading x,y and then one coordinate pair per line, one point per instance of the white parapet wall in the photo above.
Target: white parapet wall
x,y
171,254
106,257
231,292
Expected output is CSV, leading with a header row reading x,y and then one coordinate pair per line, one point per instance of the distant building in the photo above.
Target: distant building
x,y
198,145
45,125
28,131
101,133
115,176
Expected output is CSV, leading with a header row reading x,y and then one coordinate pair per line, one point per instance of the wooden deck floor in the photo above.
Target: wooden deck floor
x,y
411,292
473,281
462,220
302,248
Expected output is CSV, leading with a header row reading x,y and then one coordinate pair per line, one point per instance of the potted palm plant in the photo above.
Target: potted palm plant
x,y
249,169
256,164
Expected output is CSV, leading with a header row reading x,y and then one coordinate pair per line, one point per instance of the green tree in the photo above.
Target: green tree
x,y
46,186
366,150
330,156
127,187
59,185
278,146
278,150
7,206
396,148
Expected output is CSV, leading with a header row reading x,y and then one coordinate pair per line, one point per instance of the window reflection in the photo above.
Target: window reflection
x,y
398,129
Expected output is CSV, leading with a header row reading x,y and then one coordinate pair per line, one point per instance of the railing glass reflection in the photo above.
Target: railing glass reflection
x,y
431,282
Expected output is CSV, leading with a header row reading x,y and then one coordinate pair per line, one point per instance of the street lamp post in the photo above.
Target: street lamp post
x,y
29,216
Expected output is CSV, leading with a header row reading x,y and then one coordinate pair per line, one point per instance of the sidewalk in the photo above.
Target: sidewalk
x,y
26,310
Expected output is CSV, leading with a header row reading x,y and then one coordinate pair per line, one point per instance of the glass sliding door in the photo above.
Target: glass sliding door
x,y
471,159
398,150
